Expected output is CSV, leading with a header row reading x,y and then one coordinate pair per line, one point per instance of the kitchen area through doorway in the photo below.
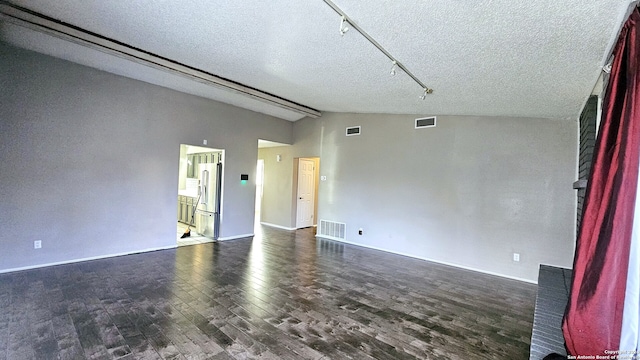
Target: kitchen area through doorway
x,y
199,194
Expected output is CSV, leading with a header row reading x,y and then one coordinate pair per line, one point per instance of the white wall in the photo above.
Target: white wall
x,y
89,160
469,192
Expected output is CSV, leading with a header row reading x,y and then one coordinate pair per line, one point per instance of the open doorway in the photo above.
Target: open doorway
x,y
199,194
273,186
277,193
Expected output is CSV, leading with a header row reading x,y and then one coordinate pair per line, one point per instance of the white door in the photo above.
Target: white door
x,y
306,193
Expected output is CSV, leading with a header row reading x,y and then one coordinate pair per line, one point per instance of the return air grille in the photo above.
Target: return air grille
x,y
426,122
353,130
332,230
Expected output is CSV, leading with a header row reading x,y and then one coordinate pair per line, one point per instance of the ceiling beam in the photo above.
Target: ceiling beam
x,y
41,23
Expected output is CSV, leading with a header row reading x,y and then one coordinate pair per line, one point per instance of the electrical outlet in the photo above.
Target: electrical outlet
x,y
516,257
37,244
360,231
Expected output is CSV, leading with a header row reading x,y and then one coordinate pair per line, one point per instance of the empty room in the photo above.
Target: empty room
x,y
328,179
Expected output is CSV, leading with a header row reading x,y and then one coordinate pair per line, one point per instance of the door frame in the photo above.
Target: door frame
x,y
259,189
182,173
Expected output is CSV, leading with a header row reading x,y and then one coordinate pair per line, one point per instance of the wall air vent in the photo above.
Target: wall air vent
x,y
332,230
426,122
353,130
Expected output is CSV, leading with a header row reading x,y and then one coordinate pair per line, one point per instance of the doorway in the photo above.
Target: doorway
x,y
306,198
199,194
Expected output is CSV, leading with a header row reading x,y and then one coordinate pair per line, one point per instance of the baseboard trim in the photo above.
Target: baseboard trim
x,y
235,237
432,260
73,261
277,226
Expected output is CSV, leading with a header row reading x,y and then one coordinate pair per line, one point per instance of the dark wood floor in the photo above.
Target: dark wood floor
x,y
282,295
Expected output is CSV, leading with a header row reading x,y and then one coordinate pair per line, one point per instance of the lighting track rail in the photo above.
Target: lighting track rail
x,y
32,20
343,29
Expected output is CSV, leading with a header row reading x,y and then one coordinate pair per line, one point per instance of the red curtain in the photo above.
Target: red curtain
x,y
593,317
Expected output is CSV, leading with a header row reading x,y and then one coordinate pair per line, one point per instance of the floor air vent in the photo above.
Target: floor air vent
x,y
426,122
332,230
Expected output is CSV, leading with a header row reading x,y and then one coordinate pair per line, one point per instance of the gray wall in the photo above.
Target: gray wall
x,y
89,161
469,192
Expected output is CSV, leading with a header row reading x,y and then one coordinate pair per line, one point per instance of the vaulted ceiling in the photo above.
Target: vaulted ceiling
x,y
535,58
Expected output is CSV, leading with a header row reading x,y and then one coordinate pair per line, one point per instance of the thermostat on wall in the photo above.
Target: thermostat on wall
x,y
244,177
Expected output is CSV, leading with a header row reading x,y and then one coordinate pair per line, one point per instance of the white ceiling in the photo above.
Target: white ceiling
x,y
535,58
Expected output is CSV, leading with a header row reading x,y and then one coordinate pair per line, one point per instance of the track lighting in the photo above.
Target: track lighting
x,y
343,26
344,20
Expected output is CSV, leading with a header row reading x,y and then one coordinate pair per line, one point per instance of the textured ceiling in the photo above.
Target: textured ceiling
x,y
537,58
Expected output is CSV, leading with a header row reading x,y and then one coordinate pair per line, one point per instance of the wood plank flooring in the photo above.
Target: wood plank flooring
x,y
281,295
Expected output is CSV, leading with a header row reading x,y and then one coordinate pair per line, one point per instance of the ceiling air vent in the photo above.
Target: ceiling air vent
x,y
353,130
426,122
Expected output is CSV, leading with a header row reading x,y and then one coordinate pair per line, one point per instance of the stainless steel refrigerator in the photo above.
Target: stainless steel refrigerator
x,y
208,210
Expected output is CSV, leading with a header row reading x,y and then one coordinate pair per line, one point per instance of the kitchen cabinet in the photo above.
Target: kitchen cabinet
x,y
193,165
201,158
182,208
179,210
186,204
190,201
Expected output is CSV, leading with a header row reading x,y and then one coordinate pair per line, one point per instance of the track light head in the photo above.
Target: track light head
x,y
607,67
343,26
393,71
424,94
